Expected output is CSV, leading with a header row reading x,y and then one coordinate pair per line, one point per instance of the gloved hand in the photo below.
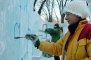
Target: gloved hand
x,y
34,38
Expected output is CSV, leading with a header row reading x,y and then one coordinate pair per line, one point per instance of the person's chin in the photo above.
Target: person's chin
x,y
68,22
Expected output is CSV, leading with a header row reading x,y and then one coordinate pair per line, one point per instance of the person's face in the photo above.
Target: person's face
x,y
61,31
71,18
55,26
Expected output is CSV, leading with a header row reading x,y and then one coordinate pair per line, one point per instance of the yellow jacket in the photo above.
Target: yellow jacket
x,y
76,49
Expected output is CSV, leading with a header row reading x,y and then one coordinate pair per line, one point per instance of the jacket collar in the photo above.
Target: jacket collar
x,y
73,27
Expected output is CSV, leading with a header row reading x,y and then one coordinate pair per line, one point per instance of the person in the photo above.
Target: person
x,y
61,32
76,43
55,34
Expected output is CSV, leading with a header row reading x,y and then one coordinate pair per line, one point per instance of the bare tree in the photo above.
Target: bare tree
x,y
34,5
47,8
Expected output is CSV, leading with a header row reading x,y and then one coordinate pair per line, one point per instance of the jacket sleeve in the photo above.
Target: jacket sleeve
x,y
53,48
88,47
50,30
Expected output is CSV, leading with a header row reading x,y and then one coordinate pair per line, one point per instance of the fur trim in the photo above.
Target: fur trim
x,y
78,8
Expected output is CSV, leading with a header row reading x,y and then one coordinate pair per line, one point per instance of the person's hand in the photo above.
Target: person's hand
x,y
34,38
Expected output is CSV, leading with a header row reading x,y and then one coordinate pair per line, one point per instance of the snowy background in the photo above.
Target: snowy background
x,y
17,19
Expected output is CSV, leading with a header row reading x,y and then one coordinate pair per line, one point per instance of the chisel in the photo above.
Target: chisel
x,y
18,37
22,37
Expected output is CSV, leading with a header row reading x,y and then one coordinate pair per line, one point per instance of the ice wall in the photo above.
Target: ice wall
x,y
17,19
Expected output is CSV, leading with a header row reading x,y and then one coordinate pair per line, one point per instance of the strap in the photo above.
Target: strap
x,y
85,31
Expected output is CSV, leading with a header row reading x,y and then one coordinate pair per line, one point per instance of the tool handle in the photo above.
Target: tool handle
x,y
18,37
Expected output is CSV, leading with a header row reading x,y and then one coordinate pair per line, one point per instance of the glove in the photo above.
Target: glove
x,y
33,38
